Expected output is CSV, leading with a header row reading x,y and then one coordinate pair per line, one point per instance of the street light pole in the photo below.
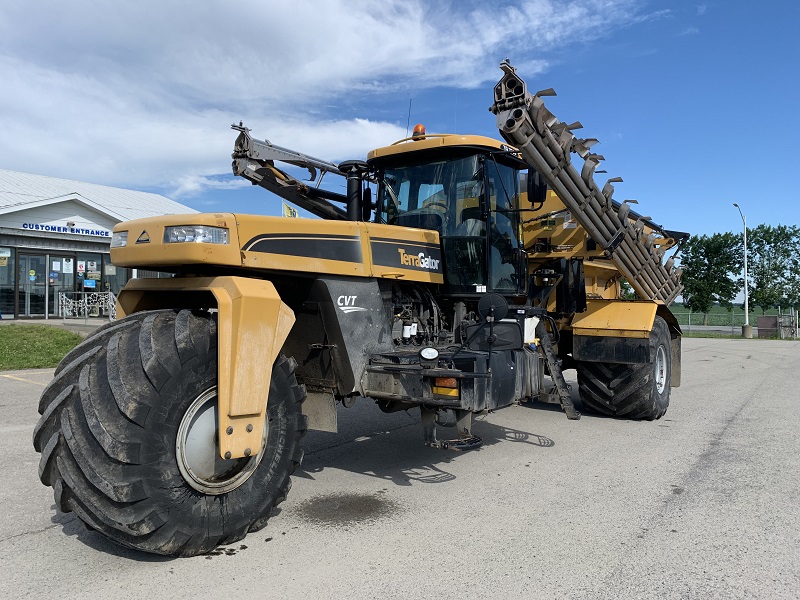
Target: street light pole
x,y
746,330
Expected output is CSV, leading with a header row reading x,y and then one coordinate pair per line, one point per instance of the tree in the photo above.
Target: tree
x,y
711,265
626,291
793,283
772,265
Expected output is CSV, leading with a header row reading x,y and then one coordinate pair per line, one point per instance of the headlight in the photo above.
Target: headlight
x,y
119,239
202,234
429,353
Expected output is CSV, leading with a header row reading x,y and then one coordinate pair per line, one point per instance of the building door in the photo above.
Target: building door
x,y
61,278
32,285
8,283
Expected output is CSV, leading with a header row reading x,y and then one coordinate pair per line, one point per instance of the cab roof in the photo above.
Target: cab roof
x,y
438,140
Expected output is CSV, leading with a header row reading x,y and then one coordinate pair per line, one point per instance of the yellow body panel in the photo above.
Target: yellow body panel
x,y
340,248
252,326
155,253
615,318
327,247
565,237
403,249
306,245
602,279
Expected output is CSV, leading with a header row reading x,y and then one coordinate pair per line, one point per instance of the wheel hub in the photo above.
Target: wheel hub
x,y
197,450
661,370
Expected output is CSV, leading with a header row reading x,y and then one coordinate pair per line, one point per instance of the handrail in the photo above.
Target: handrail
x,y
79,304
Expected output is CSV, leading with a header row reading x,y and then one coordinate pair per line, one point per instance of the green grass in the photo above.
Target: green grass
x,y
34,346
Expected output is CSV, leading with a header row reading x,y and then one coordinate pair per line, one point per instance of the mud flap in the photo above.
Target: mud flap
x,y
320,408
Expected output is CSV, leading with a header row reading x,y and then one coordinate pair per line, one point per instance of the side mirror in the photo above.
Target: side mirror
x,y
494,306
537,189
366,204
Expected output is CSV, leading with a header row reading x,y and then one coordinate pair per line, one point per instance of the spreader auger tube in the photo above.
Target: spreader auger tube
x,y
547,143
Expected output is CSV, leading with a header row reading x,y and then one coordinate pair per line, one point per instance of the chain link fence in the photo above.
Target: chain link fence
x,y
733,320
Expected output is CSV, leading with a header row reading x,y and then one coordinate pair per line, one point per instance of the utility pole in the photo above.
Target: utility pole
x,y
747,331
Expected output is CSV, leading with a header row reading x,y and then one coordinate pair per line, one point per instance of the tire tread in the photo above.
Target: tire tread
x,y
102,452
624,390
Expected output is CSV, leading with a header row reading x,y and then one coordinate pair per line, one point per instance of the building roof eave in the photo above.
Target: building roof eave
x,y
70,197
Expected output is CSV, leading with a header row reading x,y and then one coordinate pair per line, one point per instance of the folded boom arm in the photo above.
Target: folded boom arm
x,y
255,161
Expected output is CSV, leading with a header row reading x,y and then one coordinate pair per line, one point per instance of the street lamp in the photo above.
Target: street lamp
x,y
746,331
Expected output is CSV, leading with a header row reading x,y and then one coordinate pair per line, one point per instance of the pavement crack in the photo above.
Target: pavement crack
x,y
24,533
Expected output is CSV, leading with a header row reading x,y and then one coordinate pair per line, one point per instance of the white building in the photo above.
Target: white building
x,y
55,236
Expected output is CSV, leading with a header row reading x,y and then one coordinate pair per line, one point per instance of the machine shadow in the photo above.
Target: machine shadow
x,y
399,456
572,382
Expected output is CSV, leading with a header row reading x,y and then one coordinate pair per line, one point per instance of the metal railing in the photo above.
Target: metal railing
x,y
87,304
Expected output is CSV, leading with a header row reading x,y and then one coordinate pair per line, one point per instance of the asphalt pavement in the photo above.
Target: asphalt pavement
x,y
704,503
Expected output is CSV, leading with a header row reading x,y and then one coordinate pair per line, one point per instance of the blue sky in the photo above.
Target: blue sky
x,y
694,103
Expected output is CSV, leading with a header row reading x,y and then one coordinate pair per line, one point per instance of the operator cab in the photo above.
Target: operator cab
x,y
472,196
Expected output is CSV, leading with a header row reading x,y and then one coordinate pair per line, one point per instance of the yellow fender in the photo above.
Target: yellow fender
x,y
626,320
613,318
253,324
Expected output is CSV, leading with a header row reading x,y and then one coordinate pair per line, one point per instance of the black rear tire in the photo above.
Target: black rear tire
x,y
639,391
110,420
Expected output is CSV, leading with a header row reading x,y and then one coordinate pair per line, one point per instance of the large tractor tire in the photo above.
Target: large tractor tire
x,y
638,391
128,438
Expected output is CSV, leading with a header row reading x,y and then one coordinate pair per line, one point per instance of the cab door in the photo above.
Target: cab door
x,y
505,257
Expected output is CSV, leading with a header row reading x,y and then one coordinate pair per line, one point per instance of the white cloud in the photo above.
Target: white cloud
x,y
189,185
141,94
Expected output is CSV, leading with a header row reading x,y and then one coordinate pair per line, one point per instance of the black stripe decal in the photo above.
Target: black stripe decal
x,y
344,248
399,254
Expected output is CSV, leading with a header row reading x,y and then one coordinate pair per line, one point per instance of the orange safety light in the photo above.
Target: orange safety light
x,y
445,386
419,131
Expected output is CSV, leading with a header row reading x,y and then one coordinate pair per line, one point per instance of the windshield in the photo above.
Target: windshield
x,y
458,198
433,195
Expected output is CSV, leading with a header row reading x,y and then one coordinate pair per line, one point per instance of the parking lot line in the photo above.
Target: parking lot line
x,y
15,378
